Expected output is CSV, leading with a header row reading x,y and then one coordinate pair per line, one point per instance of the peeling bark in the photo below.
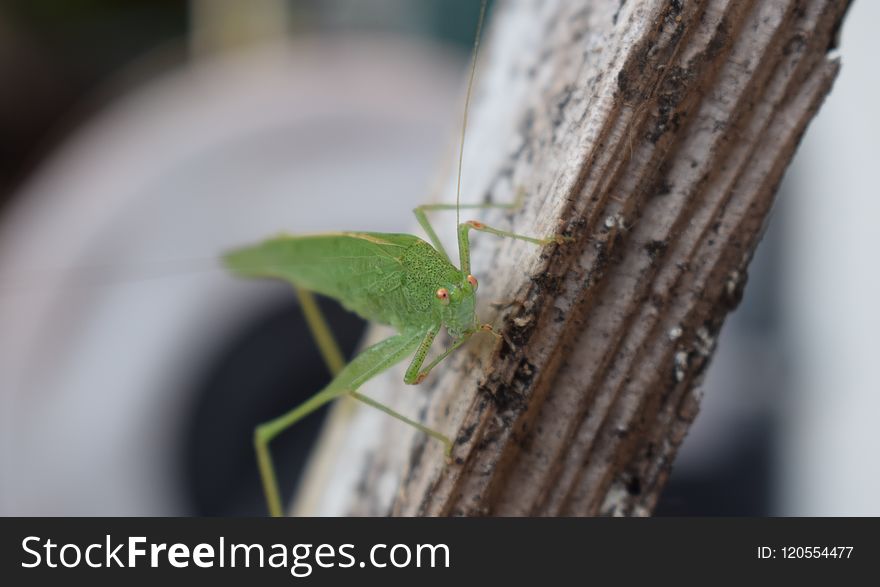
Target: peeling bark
x,y
655,133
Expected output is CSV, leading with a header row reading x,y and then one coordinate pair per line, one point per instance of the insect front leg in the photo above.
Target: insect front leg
x,y
464,249
422,216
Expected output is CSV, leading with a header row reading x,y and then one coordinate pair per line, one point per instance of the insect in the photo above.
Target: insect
x,y
390,278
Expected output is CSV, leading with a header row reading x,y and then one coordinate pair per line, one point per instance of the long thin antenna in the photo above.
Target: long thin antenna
x,y
467,102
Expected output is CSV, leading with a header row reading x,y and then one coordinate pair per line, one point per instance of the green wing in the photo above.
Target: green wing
x,y
363,270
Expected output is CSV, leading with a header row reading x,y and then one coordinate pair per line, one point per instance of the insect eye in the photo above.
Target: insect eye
x,y
473,281
443,295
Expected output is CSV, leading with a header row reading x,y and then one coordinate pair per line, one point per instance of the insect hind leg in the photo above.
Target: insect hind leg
x,y
422,216
362,368
464,248
266,432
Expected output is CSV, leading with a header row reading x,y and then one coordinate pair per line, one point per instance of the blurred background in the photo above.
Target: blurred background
x,y
140,140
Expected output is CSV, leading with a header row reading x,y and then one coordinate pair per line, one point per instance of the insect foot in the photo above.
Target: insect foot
x,y
501,304
557,239
499,335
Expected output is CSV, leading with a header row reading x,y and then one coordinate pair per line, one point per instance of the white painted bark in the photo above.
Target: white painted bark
x,y
654,133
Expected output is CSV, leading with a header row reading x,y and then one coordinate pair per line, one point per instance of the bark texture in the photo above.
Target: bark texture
x,y
655,133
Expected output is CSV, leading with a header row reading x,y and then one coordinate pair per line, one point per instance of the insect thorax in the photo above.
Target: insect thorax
x,y
425,272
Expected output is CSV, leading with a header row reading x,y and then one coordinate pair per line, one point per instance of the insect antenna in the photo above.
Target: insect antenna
x,y
467,102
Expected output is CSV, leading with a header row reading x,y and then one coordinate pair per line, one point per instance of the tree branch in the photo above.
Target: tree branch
x,y
655,133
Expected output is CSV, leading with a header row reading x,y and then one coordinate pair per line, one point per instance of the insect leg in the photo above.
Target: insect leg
x,y
421,215
426,224
320,330
264,433
424,373
366,365
412,376
464,244
429,431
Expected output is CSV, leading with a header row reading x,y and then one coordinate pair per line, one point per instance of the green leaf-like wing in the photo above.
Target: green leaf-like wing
x,y
363,270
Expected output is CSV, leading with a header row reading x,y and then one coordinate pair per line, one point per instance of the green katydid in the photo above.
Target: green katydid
x,y
394,279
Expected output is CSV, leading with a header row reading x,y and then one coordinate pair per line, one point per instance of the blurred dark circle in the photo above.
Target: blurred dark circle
x,y
269,367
